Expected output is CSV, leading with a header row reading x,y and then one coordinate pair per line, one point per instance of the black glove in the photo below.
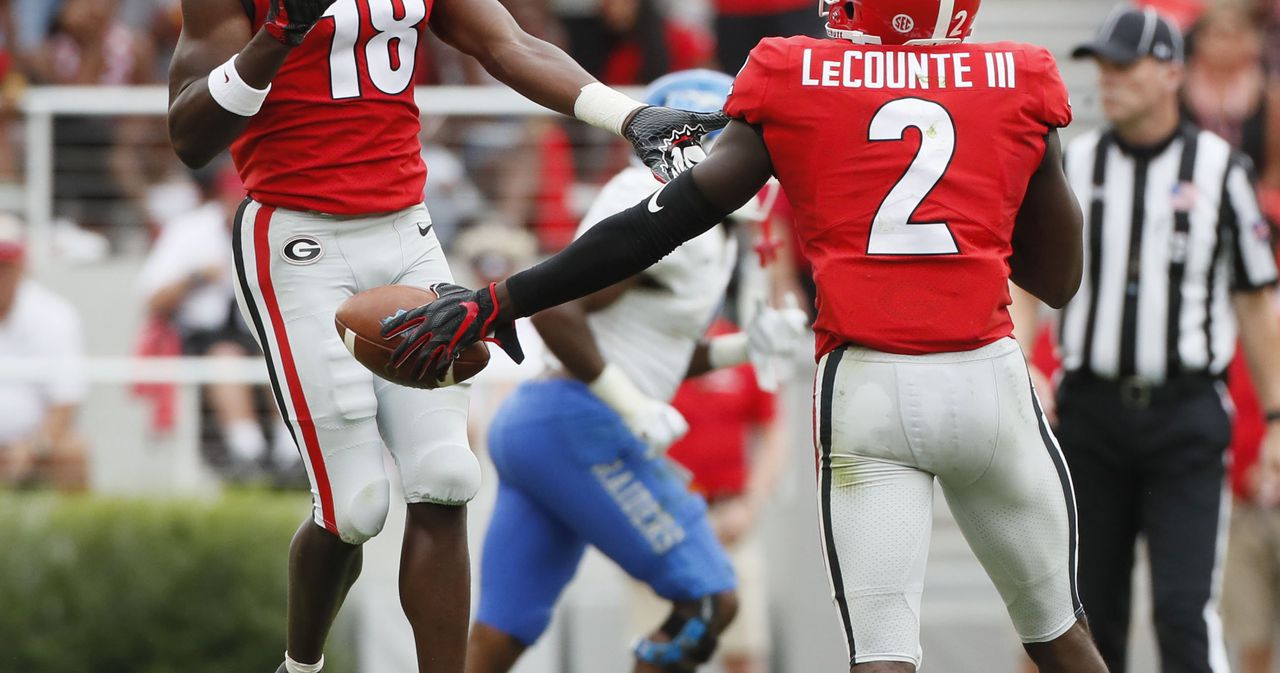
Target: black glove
x,y
289,21
436,333
669,141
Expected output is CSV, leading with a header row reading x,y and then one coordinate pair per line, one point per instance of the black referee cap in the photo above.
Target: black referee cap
x,y
1131,33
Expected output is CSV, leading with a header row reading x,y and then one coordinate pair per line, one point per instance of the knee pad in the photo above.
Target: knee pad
x,y
364,513
445,473
692,641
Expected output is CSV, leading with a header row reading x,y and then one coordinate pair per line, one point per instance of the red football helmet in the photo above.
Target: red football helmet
x,y
909,22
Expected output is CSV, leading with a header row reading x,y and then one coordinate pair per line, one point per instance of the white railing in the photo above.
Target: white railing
x,y
41,104
127,370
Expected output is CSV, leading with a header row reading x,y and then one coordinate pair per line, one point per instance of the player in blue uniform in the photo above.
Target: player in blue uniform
x,y
579,454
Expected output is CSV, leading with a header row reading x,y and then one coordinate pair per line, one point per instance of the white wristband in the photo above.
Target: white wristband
x,y
232,93
616,389
294,667
729,350
604,108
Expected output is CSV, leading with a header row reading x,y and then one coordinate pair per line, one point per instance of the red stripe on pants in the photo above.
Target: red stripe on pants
x,y
262,251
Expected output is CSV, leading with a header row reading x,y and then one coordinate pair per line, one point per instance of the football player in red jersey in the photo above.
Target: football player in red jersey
x,y
925,174
315,100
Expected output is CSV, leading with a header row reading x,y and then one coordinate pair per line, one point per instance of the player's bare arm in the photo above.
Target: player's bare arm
x,y
212,32
700,362
1260,342
565,331
1048,252
665,139
741,168
615,249
486,31
772,334
710,354
568,336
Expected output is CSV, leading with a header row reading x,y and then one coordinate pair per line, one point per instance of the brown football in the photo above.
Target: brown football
x,y
359,324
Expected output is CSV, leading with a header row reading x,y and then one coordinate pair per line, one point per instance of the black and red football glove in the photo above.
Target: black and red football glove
x,y
669,141
289,21
436,333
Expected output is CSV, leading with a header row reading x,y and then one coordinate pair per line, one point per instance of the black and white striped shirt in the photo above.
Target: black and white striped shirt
x,y
1170,232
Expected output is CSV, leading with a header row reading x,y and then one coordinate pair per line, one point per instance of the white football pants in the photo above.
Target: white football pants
x,y
887,425
293,270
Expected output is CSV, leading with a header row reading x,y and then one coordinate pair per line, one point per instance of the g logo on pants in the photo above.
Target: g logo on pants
x,y
301,250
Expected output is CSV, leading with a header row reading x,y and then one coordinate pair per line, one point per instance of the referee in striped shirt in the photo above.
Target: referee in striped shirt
x,y
1178,259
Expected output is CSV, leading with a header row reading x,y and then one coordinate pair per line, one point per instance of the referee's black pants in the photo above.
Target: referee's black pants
x,y
1149,461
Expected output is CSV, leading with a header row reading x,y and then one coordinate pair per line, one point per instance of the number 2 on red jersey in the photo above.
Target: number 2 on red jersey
x,y
892,231
390,53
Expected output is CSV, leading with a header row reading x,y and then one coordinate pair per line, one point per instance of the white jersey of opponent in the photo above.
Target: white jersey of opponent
x,y
652,329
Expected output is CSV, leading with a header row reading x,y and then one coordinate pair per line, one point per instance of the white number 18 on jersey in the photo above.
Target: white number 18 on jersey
x,y
390,53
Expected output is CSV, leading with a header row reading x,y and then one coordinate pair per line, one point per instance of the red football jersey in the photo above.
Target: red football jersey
x,y
722,407
906,167
339,131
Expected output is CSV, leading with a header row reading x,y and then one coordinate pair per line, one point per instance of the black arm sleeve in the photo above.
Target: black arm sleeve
x,y
619,247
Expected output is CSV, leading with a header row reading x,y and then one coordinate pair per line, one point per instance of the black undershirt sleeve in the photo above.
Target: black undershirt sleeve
x,y
617,248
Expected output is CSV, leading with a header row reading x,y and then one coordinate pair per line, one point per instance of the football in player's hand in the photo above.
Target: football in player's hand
x,y
359,324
